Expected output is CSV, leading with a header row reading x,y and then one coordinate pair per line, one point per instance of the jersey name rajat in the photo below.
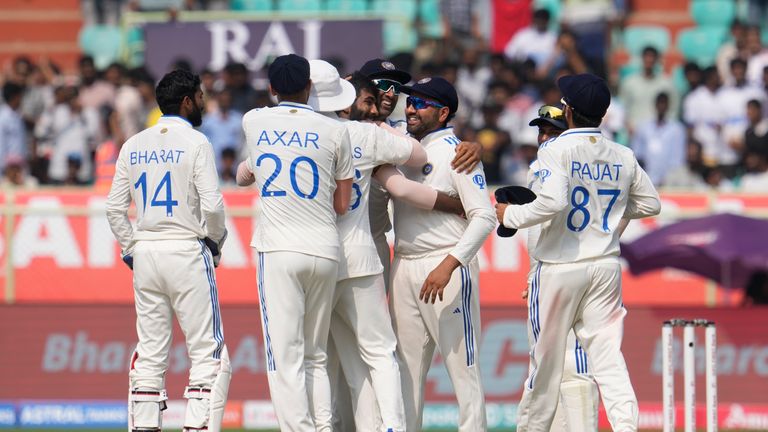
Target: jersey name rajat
x,y
275,137
596,171
155,156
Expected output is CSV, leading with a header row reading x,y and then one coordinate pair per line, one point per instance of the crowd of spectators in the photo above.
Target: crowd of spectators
x,y
709,133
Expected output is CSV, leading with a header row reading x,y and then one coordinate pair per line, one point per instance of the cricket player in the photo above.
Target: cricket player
x,y
587,185
169,171
577,407
435,259
389,80
302,163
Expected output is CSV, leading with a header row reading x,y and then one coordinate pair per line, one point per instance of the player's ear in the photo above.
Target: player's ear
x,y
445,112
271,90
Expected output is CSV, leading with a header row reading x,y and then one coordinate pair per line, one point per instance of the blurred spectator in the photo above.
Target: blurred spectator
x,y
691,175
535,42
704,116
13,133
208,80
758,56
38,93
94,91
755,180
756,291
757,12
472,78
756,135
589,20
638,91
66,132
659,144
224,127
693,77
74,166
21,68
565,54
732,49
237,82
494,141
460,22
131,101
14,175
228,168
108,150
732,100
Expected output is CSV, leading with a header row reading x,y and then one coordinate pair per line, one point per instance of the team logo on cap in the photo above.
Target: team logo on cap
x,y
424,80
426,169
387,65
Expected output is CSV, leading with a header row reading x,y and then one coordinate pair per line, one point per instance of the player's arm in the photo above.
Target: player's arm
x,y
394,147
468,155
643,200
206,181
414,193
551,199
118,202
477,204
344,174
245,175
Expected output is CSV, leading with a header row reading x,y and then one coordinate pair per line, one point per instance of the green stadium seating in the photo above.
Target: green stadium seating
x,y
640,36
251,5
299,6
431,19
103,42
399,30
346,7
713,12
700,44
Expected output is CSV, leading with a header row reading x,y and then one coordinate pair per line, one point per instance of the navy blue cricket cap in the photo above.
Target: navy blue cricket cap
x,y
438,89
586,93
380,68
289,74
512,195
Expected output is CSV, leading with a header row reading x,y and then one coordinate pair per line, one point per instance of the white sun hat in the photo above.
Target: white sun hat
x,y
329,91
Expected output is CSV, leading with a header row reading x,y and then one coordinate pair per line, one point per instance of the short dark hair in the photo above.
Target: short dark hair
x,y
172,89
11,90
755,103
650,49
662,96
738,61
362,82
86,60
541,14
581,120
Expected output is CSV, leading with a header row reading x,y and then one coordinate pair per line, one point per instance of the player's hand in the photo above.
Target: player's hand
x,y
128,260
215,250
438,278
467,157
500,208
524,294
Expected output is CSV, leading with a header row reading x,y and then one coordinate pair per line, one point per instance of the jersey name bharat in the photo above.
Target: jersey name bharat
x,y
599,174
418,232
371,146
293,153
160,162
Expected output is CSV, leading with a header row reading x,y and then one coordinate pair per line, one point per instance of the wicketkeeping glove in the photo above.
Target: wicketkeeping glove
x,y
512,195
128,260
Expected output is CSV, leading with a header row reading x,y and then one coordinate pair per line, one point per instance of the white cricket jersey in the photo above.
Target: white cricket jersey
x,y
296,156
371,146
587,183
379,197
169,171
420,233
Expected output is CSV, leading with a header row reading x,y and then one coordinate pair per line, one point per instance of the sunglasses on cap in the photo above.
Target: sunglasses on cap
x,y
548,111
386,85
419,103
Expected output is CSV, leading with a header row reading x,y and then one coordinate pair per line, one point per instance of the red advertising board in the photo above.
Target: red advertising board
x,y
82,352
63,251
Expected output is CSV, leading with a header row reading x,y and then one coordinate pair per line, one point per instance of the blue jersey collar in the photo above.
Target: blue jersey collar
x,y
581,131
295,105
174,119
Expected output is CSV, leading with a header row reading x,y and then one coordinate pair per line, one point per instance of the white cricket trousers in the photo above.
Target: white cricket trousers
x,y
296,292
585,297
175,277
452,325
360,311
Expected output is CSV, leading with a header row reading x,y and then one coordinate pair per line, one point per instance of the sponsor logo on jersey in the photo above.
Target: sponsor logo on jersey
x,y
426,169
479,180
543,174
